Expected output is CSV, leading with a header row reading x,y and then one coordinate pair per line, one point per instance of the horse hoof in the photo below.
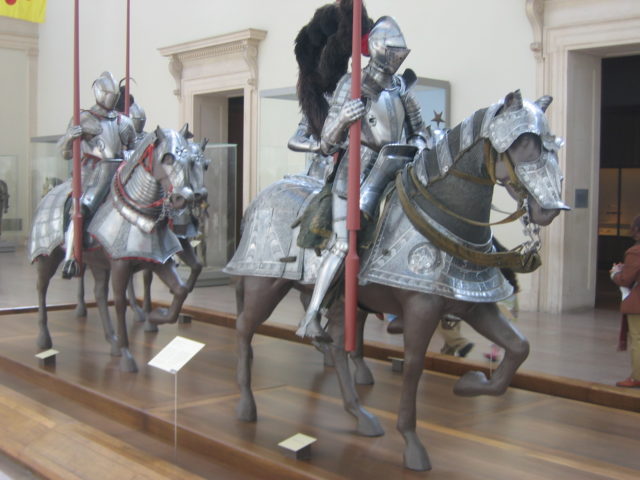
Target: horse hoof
x,y
471,384
44,341
416,458
369,425
150,327
160,316
127,362
81,311
363,376
246,413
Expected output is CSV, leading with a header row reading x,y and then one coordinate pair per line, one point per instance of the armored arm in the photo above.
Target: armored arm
x,y
417,133
65,143
89,127
302,140
127,133
342,113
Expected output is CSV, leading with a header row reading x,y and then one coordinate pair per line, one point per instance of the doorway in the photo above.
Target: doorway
x,y
219,117
619,169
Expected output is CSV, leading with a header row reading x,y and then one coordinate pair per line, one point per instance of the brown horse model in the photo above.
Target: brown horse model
x,y
432,253
129,232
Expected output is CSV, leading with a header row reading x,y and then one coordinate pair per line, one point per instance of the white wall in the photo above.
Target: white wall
x,y
482,48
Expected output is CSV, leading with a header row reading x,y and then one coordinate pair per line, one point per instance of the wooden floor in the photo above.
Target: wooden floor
x,y
519,435
577,345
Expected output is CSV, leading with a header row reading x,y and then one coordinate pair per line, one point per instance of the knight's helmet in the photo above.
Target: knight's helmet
x,y
387,48
138,117
106,91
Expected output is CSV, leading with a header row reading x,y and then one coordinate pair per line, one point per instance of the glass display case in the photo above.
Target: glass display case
x,y
218,226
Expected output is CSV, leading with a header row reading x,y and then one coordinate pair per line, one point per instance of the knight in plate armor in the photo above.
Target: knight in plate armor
x,y
105,136
390,114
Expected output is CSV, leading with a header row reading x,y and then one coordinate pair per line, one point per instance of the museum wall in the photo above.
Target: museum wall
x,y
454,41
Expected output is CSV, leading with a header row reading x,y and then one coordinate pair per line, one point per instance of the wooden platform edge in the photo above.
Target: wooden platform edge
x,y
38,431
233,456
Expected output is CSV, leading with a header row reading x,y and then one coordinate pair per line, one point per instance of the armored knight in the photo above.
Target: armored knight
x,y
390,114
105,135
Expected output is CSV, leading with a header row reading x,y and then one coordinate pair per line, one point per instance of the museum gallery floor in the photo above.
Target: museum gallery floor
x,y
521,434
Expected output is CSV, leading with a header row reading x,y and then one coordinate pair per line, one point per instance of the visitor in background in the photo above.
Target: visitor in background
x,y
627,274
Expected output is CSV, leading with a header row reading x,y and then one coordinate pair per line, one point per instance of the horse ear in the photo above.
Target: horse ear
x,y
159,133
544,102
513,101
204,144
184,131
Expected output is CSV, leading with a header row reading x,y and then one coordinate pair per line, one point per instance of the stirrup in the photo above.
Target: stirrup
x,y
70,269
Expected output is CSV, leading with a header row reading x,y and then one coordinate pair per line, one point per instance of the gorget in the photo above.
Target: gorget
x,y
121,239
48,222
268,243
401,257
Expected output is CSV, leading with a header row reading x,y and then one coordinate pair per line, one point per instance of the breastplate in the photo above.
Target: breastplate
x,y
107,145
384,120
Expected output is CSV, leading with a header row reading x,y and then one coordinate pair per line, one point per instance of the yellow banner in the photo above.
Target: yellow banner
x,y
29,10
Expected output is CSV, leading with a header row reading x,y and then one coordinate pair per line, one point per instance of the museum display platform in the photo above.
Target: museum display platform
x,y
521,433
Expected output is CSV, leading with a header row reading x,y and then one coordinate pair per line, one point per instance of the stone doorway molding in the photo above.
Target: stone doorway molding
x,y
223,63
570,38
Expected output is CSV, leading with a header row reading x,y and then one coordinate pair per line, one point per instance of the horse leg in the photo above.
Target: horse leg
x,y
81,306
322,347
418,330
120,274
188,256
46,268
138,313
362,374
101,292
487,320
367,423
169,275
260,296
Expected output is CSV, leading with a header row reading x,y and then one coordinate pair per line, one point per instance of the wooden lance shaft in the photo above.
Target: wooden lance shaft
x,y
77,180
127,61
352,262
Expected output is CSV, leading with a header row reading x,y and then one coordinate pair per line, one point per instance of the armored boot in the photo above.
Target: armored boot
x,y
331,264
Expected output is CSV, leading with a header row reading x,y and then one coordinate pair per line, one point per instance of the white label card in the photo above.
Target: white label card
x,y
176,354
47,353
297,442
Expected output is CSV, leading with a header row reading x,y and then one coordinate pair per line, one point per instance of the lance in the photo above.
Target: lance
x,y
126,73
77,175
352,262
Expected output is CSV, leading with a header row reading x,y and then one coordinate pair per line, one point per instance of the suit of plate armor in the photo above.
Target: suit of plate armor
x,y
389,108
105,135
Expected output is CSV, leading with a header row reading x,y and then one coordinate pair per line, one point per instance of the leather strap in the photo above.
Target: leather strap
x,y
514,259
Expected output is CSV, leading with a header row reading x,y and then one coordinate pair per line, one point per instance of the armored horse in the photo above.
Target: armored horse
x,y
186,226
432,253
128,232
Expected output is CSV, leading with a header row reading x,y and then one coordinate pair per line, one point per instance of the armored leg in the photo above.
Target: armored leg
x,y
331,264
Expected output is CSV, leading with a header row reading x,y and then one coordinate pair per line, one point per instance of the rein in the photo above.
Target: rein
x,y
518,259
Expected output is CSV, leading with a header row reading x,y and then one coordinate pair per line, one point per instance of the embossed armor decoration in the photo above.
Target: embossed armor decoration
x,y
388,109
105,136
